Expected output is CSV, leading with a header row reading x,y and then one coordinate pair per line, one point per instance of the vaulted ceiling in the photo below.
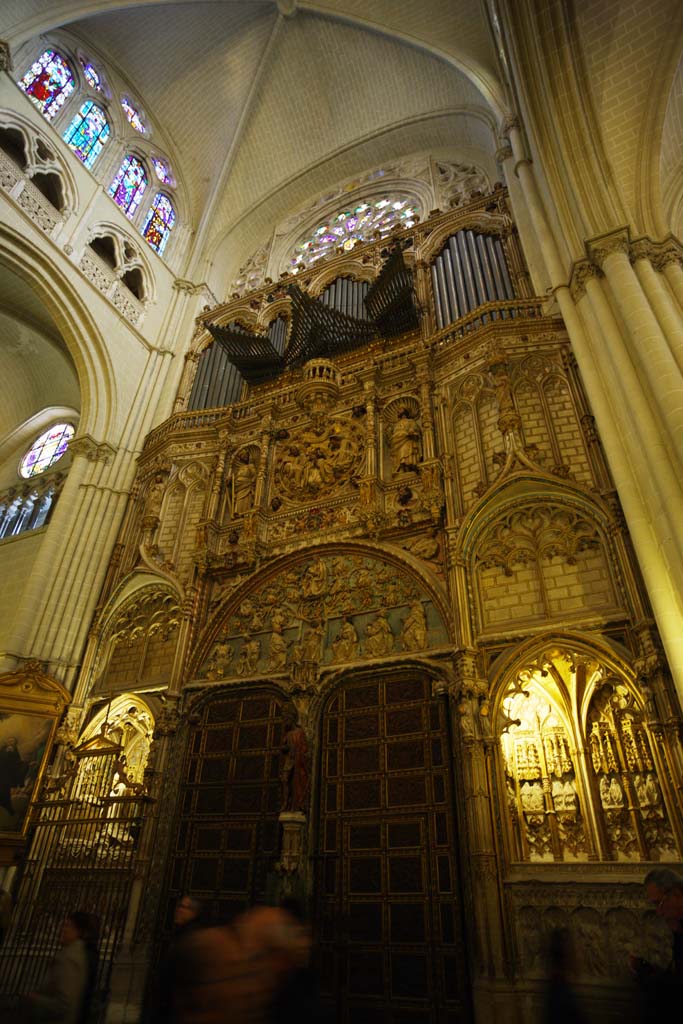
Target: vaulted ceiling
x,y
260,104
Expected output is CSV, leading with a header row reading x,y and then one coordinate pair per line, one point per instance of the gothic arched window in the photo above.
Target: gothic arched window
x,y
160,220
88,132
358,223
128,187
49,82
46,450
133,115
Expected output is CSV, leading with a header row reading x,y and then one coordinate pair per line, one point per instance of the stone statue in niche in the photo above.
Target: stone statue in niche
x,y
277,656
155,496
611,793
414,632
379,636
249,656
406,442
345,644
219,660
243,484
294,771
531,794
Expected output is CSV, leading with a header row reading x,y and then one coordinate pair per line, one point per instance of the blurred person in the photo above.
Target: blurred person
x,y
188,915
662,988
560,1003
297,995
65,995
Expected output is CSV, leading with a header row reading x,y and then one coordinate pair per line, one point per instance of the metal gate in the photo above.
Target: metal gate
x,y
82,845
388,905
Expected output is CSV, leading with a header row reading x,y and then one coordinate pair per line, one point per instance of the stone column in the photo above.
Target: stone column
x,y
657,554
661,381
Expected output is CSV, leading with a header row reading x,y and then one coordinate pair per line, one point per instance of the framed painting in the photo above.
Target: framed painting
x,y
31,705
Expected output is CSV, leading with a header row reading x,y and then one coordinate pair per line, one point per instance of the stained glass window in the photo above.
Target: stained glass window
x,y
44,452
133,115
162,170
88,132
48,82
91,75
359,223
160,220
128,187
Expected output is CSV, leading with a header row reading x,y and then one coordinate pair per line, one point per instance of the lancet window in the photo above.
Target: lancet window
x,y
159,223
48,82
88,132
129,184
581,788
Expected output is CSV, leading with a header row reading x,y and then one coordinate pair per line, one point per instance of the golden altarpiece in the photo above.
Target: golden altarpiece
x,y
414,547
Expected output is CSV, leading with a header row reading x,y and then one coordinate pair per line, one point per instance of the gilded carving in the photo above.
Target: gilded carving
x,y
243,482
414,631
317,612
318,461
406,441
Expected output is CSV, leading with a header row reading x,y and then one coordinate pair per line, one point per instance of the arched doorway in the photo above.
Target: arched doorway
x,y
388,906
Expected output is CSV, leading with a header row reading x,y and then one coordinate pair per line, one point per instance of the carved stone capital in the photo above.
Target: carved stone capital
x,y
509,122
181,285
92,450
582,272
602,246
167,721
503,153
5,57
67,733
643,249
668,253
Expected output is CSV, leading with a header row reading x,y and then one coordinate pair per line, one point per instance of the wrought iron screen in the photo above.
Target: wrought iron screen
x,y
82,852
388,907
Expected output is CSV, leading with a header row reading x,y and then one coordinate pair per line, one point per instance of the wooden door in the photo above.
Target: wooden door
x,y
388,905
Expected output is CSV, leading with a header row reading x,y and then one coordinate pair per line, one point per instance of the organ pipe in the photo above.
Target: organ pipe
x,y
469,271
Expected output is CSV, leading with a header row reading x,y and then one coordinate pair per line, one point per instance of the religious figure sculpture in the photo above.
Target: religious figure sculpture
x,y
406,442
414,632
243,484
155,496
531,794
277,657
220,658
294,771
380,638
345,644
249,656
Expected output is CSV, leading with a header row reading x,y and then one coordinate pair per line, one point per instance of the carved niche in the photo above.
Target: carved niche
x,y
629,795
326,609
542,561
140,640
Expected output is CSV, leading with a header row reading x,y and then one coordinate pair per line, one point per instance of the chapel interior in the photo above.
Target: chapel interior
x,y
341,379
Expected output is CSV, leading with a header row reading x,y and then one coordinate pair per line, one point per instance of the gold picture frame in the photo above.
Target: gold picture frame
x,y
31,706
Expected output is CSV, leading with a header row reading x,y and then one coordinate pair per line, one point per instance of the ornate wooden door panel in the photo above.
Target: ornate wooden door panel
x,y
229,801
388,904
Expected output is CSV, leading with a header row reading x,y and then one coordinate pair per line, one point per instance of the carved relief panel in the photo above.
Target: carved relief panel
x,y
327,609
